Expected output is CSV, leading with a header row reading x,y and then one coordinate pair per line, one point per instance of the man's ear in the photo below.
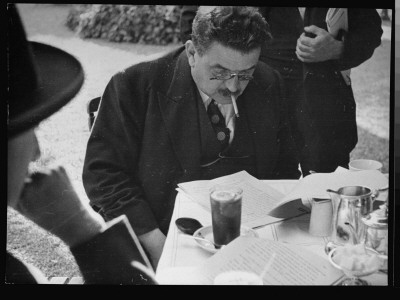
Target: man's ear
x,y
190,52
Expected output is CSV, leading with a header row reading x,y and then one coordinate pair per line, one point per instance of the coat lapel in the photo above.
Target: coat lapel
x,y
299,20
179,111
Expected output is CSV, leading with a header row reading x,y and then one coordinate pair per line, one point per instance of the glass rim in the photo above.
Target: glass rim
x,y
226,187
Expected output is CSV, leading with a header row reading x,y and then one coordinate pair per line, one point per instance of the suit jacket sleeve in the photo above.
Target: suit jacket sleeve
x,y
110,168
114,257
364,35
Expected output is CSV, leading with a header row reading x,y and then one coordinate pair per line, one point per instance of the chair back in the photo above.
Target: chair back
x,y
92,106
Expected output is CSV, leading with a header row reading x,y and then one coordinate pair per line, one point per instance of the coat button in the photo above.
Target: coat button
x,y
215,119
221,136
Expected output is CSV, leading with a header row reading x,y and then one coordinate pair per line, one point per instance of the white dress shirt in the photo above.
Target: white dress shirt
x,y
301,10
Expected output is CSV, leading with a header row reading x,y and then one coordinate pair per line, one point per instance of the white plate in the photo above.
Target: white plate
x,y
207,233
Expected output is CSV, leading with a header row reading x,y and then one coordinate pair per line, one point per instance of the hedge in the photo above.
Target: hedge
x,y
146,24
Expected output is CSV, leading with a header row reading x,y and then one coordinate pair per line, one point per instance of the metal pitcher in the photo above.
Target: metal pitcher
x,y
350,204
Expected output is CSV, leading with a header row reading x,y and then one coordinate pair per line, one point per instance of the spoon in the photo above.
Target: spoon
x,y
332,191
204,240
188,225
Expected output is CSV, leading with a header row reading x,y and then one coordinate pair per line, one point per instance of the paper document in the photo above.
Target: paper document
x,y
258,198
315,185
292,264
294,231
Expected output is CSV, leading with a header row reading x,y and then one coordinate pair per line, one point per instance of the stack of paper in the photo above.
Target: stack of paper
x,y
291,265
258,198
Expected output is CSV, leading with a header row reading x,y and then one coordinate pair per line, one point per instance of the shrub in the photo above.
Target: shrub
x,y
146,24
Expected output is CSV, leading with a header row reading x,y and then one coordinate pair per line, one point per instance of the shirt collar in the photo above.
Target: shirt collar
x,y
205,98
226,110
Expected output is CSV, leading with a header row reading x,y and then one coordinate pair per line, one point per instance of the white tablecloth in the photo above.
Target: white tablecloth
x,y
181,254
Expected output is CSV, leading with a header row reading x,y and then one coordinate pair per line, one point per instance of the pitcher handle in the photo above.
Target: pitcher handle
x,y
375,194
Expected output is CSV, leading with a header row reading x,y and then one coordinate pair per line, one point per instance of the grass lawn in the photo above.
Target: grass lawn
x,y
63,136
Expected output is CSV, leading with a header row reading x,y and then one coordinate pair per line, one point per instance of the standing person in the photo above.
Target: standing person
x,y
42,79
158,123
322,109
311,61
188,12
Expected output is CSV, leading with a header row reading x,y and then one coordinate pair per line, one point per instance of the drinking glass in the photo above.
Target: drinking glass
x,y
226,212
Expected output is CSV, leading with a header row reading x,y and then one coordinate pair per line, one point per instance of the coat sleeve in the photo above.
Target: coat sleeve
x,y
363,37
287,165
114,256
110,168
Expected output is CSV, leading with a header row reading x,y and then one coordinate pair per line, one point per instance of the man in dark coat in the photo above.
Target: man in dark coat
x,y
320,100
152,130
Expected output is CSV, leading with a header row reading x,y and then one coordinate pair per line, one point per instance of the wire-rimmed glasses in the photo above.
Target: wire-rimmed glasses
x,y
228,75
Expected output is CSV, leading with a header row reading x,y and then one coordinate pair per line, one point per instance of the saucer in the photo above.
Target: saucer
x,y
206,232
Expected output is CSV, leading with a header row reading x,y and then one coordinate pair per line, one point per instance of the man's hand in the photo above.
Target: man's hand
x,y
153,242
320,48
49,200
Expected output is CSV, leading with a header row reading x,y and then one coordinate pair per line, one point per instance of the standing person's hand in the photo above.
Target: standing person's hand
x,y
49,200
320,48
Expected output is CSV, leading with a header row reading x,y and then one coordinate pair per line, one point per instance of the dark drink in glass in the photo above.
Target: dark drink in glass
x,y
226,212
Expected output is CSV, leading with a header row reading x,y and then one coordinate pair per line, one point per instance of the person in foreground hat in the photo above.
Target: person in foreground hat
x,y
157,124
41,80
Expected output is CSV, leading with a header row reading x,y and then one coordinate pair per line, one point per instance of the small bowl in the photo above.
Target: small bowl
x,y
365,164
351,273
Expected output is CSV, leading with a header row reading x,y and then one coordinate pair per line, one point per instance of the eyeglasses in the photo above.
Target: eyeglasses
x,y
228,75
221,156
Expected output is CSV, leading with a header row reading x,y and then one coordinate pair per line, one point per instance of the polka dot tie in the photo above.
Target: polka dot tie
x,y
218,123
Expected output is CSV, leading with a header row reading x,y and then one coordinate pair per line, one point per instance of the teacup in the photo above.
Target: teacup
x,y
365,164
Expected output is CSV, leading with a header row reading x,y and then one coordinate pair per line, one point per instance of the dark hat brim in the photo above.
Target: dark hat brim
x,y
61,77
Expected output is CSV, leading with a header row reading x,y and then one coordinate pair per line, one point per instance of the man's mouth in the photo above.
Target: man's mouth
x,y
227,93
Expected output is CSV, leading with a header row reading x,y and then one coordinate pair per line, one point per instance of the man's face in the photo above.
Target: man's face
x,y
220,60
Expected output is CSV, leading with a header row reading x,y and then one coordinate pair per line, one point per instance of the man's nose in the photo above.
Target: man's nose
x,y
233,84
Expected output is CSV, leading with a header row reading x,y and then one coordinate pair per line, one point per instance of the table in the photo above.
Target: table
x,y
181,254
